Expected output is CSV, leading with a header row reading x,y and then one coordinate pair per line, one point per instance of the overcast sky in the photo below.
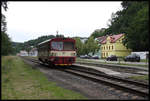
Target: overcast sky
x,y
30,20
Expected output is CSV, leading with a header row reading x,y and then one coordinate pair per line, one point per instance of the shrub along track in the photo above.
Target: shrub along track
x,y
132,87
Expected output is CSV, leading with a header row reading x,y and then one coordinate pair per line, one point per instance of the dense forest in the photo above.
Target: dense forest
x,y
132,20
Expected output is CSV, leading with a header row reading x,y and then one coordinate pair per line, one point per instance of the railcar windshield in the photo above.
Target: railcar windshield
x,y
62,45
57,45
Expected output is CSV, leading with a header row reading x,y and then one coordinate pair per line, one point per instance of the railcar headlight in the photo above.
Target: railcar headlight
x,y
73,54
53,54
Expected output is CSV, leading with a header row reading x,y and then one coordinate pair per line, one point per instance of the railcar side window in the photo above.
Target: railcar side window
x,y
57,45
68,46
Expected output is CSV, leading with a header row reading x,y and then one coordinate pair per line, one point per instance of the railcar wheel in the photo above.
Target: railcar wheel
x,y
51,65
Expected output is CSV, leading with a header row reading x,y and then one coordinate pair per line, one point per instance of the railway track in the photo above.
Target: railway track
x,y
130,86
116,67
133,87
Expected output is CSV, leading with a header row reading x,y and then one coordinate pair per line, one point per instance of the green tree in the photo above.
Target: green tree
x,y
17,47
3,18
137,36
4,5
133,21
3,23
27,45
98,33
79,46
6,42
91,45
60,35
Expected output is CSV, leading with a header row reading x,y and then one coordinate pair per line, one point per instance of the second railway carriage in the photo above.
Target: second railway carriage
x,y
57,51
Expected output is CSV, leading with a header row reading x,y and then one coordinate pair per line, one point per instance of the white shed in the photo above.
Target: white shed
x,y
141,54
23,53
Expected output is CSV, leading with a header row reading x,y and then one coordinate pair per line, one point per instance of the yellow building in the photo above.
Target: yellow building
x,y
113,45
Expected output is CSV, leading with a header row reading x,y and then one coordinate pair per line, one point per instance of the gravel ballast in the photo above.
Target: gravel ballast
x,y
90,89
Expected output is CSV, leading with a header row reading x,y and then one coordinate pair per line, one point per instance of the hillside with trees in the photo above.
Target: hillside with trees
x,y
27,45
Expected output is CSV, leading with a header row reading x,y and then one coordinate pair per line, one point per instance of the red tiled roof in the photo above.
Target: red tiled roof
x,y
104,41
102,38
113,38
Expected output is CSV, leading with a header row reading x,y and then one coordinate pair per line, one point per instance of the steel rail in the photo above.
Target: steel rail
x,y
107,82
111,77
98,78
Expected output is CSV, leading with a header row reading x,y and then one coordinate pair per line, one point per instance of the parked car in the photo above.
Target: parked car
x,y
85,57
132,58
112,58
94,57
82,56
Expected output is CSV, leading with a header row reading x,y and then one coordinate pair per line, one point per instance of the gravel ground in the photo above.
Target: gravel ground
x,y
118,69
90,89
125,72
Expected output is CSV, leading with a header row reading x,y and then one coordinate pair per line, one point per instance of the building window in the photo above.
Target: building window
x,y
112,47
104,47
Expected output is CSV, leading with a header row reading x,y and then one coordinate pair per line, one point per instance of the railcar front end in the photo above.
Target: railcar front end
x,y
62,51
58,51
62,58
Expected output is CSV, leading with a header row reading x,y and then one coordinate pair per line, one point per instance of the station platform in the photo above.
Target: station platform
x,y
109,71
105,70
115,65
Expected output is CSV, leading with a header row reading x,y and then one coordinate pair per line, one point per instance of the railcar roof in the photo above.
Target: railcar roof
x,y
51,39
44,41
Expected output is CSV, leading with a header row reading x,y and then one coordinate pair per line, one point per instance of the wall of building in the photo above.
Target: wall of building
x,y
33,53
23,53
116,48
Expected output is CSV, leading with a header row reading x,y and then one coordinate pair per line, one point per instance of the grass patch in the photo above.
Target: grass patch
x,y
144,77
20,81
138,65
144,60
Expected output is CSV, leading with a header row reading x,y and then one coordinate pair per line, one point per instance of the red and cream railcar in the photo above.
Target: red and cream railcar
x,y
57,51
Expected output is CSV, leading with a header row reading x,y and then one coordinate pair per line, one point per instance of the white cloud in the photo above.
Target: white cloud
x,y
29,20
